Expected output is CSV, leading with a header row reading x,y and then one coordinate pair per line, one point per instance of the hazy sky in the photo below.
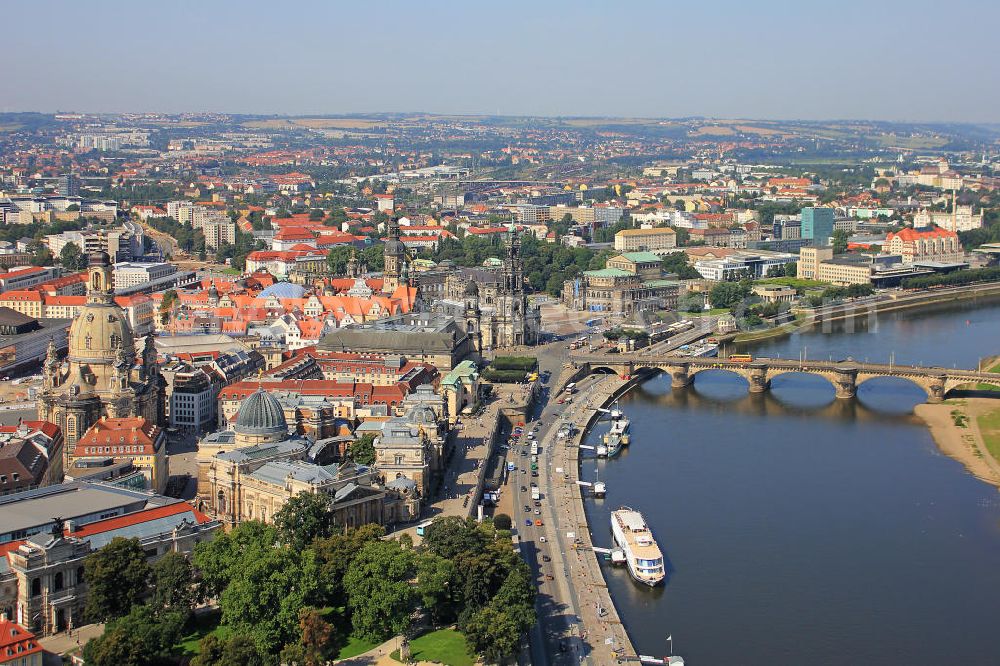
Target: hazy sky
x,y
878,59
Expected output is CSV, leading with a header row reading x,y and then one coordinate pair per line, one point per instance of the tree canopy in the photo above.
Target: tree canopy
x,y
71,257
140,638
378,589
303,518
117,578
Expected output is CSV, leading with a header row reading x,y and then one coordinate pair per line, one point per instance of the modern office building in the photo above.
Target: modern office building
x,y
817,225
68,185
127,274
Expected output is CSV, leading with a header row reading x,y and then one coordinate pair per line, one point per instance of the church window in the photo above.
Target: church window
x,y
87,340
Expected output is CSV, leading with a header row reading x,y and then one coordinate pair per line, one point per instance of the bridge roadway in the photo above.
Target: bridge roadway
x,y
845,376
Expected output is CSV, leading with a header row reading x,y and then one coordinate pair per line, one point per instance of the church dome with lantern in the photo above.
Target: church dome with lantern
x,y
101,375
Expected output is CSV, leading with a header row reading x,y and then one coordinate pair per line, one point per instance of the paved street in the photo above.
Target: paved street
x,y
571,587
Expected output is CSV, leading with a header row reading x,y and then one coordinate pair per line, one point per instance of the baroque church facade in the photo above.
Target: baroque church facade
x,y
493,305
103,375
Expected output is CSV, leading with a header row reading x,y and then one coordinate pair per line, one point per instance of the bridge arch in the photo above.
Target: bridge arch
x,y
899,380
806,382
737,372
955,384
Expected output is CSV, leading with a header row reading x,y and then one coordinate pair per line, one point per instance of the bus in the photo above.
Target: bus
x,y
571,388
741,358
422,527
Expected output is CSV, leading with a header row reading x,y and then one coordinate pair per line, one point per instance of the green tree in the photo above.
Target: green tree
x,y
266,593
167,304
373,257
217,561
363,449
173,583
71,257
117,578
791,269
336,218
337,259
315,215
839,241
451,535
378,590
677,262
728,294
41,256
141,638
234,651
334,555
493,633
438,584
303,518
502,521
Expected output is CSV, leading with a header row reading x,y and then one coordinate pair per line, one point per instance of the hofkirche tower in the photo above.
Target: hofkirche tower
x,y
102,375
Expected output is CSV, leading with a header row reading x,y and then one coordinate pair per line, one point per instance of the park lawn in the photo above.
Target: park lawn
x,y
208,623
989,428
714,312
354,647
794,282
445,646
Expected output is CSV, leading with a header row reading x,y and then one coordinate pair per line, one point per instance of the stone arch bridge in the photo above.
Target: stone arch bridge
x,y
845,376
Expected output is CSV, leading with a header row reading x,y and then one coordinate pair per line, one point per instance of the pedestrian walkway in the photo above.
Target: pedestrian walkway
x,y
600,627
66,641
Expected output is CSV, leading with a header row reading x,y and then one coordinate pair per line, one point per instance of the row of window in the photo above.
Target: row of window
x,y
57,582
114,449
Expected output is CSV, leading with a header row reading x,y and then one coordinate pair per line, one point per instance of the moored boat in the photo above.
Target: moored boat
x,y
642,554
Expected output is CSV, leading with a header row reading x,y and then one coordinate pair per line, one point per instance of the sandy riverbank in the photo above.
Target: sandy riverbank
x,y
964,442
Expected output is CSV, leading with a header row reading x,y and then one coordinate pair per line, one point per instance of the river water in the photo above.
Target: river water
x,y
800,529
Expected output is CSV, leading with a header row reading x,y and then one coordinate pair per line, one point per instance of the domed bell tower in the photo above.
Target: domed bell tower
x,y
99,288
473,316
393,255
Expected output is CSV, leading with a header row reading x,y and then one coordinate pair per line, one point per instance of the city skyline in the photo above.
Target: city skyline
x,y
560,59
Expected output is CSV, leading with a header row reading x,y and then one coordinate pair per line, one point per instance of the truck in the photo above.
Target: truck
x,y
535,494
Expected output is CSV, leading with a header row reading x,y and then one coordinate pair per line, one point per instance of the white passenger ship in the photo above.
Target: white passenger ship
x,y
642,555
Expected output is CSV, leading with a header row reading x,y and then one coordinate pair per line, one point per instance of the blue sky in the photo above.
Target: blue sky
x,y
878,59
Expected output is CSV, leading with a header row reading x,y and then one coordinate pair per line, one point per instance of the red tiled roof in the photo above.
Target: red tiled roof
x,y
137,518
911,234
16,642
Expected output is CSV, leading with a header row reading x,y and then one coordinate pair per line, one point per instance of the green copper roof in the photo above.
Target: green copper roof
x,y
607,272
464,370
642,257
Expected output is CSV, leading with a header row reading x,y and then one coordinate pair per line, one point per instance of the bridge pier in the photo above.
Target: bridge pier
x,y
679,376
935,389
759,383
845,382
